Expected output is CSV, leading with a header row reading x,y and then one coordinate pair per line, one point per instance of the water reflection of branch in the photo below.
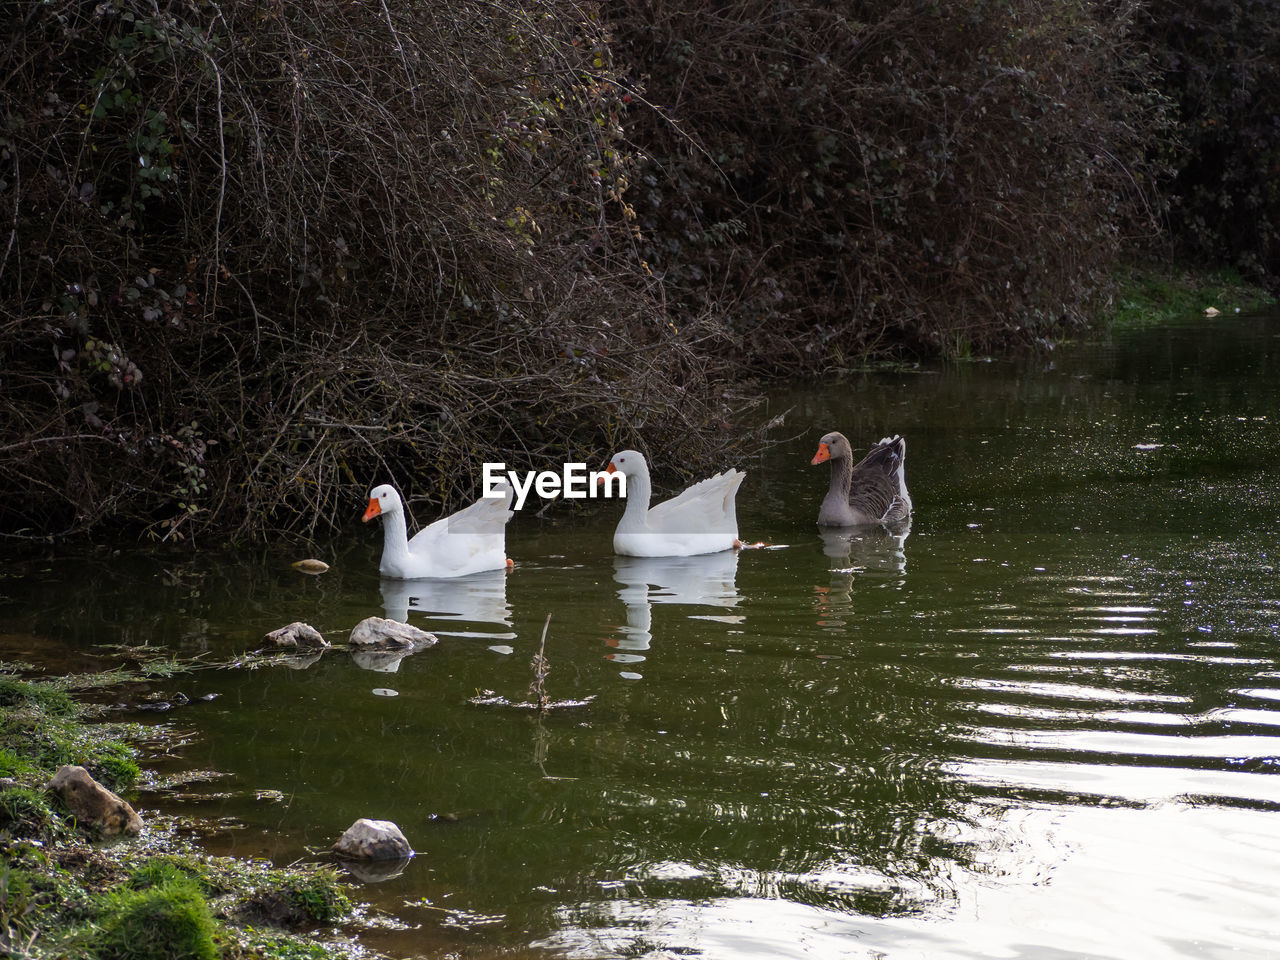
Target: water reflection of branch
x,y
542,739
542,748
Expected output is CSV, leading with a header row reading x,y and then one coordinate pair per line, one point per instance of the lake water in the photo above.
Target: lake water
x,y
1043,723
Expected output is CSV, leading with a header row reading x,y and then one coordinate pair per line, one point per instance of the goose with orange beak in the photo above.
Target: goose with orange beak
x,y
469,541
700,519
872,491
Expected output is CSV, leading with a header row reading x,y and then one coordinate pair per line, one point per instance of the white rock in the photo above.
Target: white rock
x,y
373,840
296,634
390,634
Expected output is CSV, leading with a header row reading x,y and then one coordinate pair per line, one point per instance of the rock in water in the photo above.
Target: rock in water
x,y
93,804
297,634
373,840
389,635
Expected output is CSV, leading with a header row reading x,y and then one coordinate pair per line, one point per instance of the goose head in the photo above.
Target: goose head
x,y
629,463
833,446
382,500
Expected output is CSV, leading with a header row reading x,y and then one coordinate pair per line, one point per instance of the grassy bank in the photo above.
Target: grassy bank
x,y
66,892
1151,293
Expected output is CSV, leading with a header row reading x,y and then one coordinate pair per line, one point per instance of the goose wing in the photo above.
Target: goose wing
x,y
488,516
875,487
707,506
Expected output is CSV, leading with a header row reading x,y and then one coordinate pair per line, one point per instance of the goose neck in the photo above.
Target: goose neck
x,y
841,475
639,492
395,536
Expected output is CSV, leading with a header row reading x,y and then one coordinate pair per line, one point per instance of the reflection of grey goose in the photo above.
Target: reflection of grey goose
x,y
701,519
871,491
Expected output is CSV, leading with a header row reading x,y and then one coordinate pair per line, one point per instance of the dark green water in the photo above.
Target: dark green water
x,y
1044,724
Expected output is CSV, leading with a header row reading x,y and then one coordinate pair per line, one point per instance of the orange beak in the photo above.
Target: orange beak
x,y
374,509
609,469
822,456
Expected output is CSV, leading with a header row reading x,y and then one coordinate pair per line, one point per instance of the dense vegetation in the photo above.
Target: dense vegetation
x,y
263,255
854,177
1219,62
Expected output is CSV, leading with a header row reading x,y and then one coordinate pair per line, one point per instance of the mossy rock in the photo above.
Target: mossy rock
x,y
296,899
167,922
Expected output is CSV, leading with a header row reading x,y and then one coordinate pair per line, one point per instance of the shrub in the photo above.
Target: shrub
x,y
264,256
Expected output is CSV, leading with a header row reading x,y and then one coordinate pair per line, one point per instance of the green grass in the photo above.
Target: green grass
x,y
18,694
318,894
273,946
26,812
171,921
42,728
162,870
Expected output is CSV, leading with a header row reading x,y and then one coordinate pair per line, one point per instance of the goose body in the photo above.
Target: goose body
x,y
471,540
872,491
700,519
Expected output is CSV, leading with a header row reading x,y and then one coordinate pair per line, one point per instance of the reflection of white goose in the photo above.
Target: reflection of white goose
x,y
479,598
704,580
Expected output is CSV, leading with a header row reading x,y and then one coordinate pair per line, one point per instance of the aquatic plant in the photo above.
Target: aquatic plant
x,y
541,667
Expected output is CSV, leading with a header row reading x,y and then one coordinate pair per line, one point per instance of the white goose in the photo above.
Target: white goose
x,y
471,540
701,519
